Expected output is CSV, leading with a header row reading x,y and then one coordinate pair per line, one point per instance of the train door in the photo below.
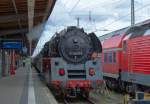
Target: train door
x,y
115,62
125,57
129,58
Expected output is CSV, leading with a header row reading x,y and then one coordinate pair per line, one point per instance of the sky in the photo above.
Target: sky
x,y
99,16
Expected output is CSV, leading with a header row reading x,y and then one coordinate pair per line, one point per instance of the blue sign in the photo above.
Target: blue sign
x,y
11,44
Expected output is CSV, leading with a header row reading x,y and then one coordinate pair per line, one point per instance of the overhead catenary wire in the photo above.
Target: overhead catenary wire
x,y
126,15
122,17
144,6
76,4
70,13
103,5
87,21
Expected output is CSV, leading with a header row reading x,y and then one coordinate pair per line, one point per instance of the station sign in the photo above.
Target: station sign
x,y
11,44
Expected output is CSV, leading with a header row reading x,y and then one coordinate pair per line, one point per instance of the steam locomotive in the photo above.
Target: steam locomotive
x,y
70,62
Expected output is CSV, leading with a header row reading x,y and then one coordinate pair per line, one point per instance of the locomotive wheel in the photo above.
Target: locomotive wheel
x,y
85,93
131,89
121,86
108,84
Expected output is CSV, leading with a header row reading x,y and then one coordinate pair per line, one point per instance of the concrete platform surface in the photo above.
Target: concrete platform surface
x,y
24,88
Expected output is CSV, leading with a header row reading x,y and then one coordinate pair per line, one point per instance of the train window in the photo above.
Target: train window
x,y
105,57
114,57
110,57
124,46
147,32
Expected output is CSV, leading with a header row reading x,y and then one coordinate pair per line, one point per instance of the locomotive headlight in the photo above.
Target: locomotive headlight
x,y
61,72
91,71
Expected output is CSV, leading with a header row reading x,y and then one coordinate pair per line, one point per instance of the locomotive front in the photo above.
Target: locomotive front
x,y
72,67
75,46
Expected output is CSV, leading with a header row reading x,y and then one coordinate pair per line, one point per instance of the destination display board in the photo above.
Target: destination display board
x,y
11,44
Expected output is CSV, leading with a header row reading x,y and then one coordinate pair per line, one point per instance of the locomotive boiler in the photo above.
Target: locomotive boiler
x,y
71,62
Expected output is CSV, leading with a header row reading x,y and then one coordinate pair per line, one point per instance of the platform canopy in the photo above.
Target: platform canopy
x,y
19,16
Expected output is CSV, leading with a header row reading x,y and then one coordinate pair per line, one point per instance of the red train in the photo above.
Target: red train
x,y
126,58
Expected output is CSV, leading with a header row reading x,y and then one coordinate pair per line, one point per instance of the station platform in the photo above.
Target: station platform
x,y
25,87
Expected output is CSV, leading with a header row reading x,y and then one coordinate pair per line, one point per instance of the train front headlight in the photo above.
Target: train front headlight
x,y
61,72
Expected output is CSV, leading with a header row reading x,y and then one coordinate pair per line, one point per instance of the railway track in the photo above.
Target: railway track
x,y
90,101
79,101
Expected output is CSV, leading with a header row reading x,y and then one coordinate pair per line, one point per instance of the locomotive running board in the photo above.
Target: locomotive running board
x,y
111,75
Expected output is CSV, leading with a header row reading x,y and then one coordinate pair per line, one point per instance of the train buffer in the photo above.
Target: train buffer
x,y
25,88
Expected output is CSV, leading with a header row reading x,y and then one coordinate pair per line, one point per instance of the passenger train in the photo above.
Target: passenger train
x,y
126,58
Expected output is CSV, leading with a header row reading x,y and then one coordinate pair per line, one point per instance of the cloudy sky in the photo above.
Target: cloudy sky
x,y
99,16
105,14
